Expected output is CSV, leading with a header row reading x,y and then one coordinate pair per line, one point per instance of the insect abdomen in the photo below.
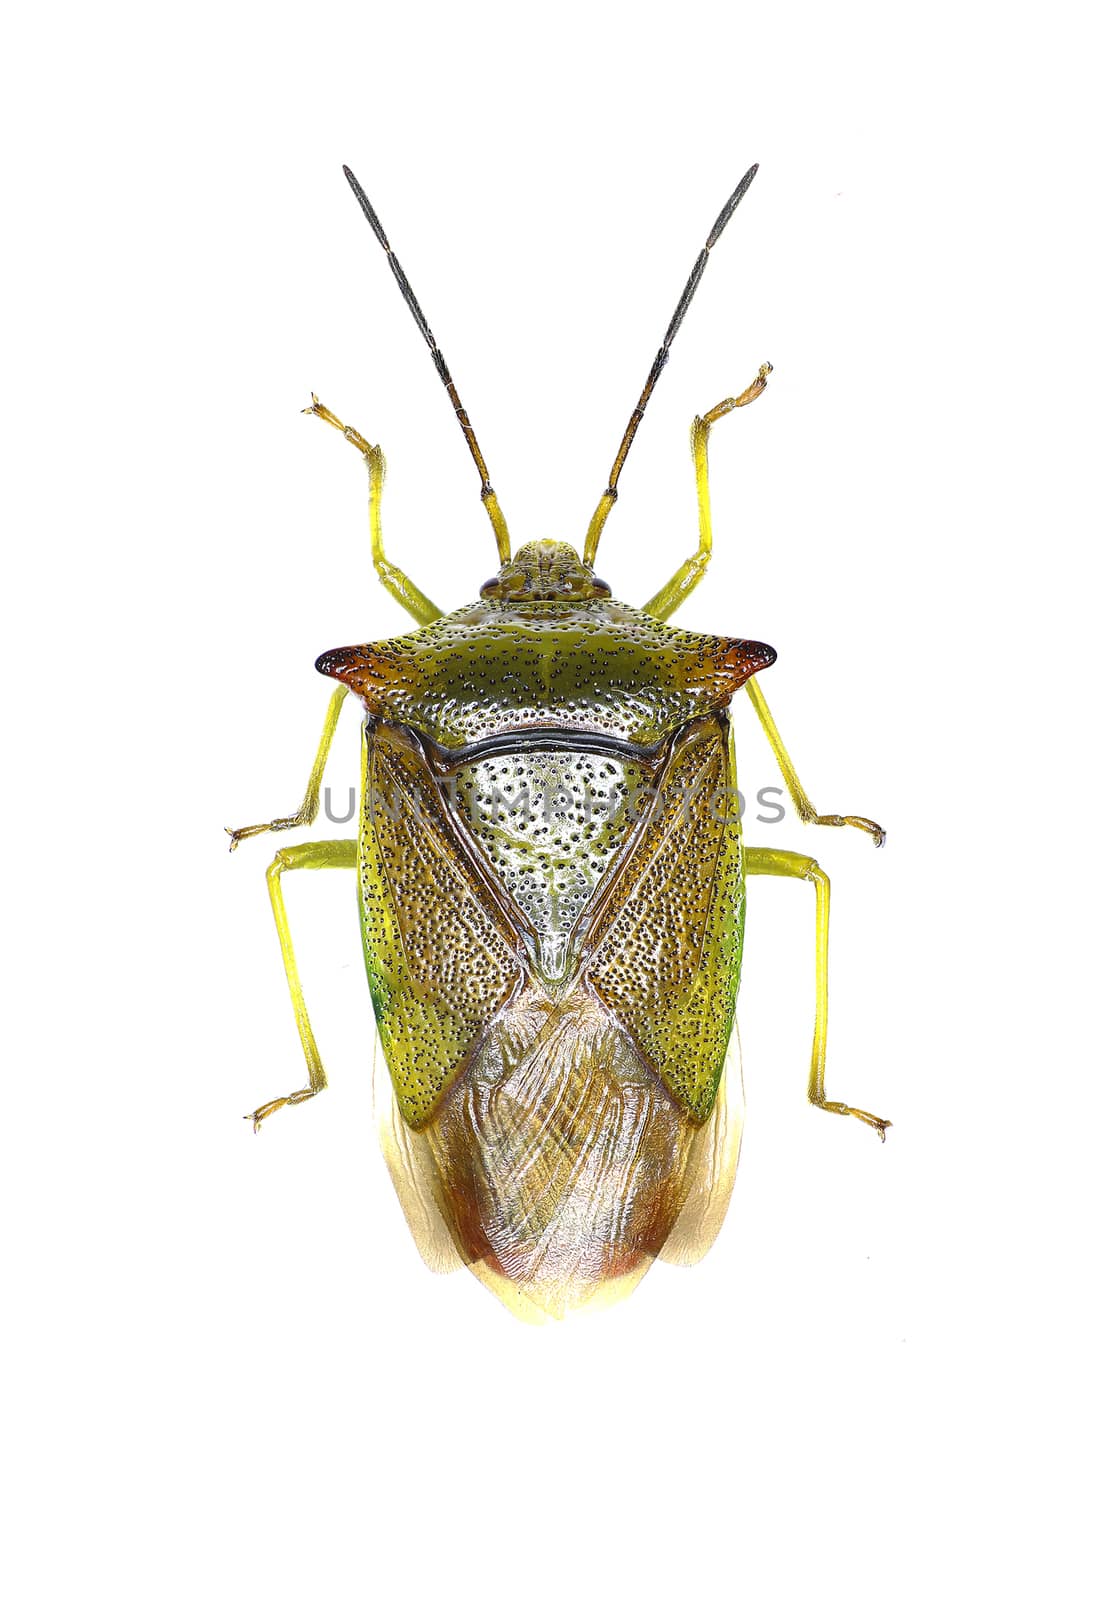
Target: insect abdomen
x,y
555,1004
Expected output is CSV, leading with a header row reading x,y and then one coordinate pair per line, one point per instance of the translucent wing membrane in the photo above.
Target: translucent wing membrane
x,y
558,1170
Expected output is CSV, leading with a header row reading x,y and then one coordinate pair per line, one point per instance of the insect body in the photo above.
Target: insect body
x,y
551,881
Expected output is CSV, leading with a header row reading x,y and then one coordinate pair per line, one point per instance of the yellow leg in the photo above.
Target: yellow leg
x,y
392,578
322,853
307,811
799,796
786,864
689,573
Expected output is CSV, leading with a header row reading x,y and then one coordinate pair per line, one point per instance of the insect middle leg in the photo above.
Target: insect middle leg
x,y
800,799
787,864
392,578
319,853
307,811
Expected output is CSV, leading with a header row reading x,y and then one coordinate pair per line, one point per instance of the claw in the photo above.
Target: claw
x,y
877,1124
839,1108
257,1117
865,824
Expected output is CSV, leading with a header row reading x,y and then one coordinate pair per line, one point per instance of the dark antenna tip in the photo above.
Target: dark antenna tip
x,y
489,499
730,207
608,498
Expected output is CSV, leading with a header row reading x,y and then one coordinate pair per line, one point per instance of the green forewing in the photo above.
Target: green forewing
x,y
667,940
439,960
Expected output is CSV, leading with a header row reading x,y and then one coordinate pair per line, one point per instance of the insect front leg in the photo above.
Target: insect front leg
x,y
787,864
320,853
307,811
689,573
392,578
800,799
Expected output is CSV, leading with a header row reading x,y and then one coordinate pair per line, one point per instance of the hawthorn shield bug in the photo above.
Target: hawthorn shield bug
x,y
551,881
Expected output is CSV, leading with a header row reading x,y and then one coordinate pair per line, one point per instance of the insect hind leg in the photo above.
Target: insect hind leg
x,y
787,864
316,854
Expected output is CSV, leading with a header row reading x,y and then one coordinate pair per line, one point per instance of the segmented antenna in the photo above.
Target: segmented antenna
x,y
489,498
610,495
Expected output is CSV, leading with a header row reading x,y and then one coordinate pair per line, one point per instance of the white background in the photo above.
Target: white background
x,y
229,1372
